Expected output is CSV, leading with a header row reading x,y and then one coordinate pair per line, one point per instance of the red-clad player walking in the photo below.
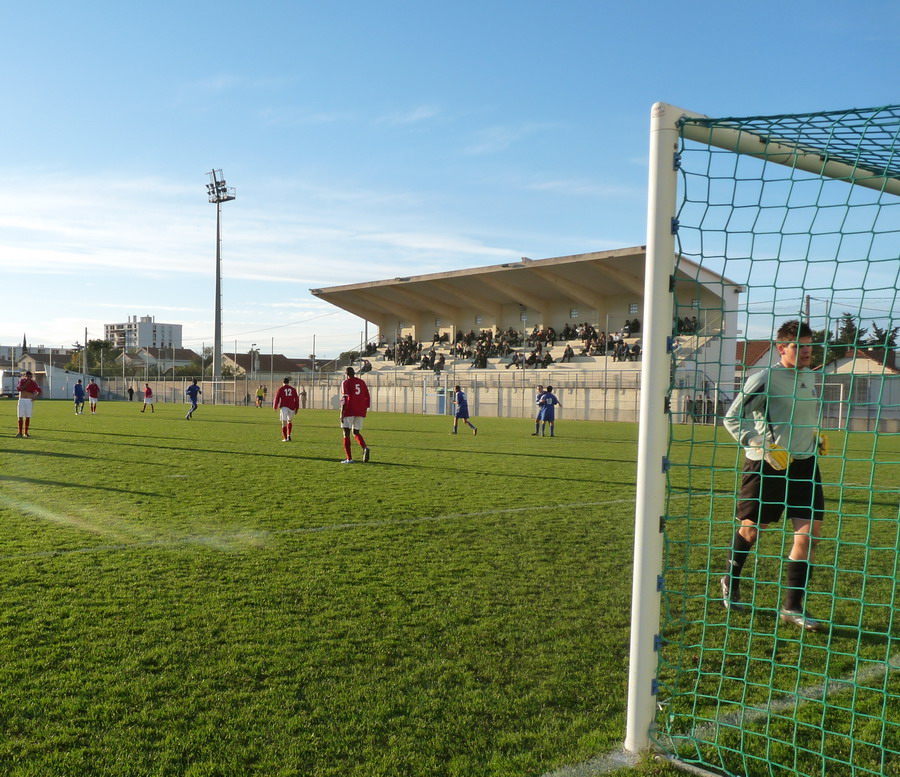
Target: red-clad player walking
x,y
148,398
354,404
287,400
93,392
28,390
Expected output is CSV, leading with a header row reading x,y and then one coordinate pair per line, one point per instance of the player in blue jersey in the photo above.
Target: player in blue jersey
x,y
548,403
79,397
775,417
462,410
193,391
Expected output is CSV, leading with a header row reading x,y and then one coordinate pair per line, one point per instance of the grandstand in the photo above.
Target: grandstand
x,y
484,322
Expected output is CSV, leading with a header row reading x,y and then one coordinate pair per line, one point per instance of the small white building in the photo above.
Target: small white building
x,y
51,374
862,391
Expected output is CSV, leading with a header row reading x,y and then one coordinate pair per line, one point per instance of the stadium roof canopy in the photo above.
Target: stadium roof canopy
x,y
544,292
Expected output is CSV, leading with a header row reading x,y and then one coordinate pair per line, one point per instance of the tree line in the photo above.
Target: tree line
x,y
829,346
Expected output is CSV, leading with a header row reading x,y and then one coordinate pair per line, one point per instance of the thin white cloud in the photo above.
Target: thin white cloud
x,y
296,117
224,82
436,243
585,188
412,116
492,140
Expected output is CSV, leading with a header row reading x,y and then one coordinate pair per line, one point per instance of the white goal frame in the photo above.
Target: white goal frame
x,y
647,583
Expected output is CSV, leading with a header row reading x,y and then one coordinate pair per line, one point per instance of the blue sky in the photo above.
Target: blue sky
x,y
366,140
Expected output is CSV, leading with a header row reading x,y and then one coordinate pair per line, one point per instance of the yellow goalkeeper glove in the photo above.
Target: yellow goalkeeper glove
x,y
776,457
822,441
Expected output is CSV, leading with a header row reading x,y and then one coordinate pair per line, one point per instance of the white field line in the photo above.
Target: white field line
x,y
741,718
260,537
601,764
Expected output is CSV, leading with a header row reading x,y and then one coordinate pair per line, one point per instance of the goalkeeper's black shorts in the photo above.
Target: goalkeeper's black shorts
x,y
767,493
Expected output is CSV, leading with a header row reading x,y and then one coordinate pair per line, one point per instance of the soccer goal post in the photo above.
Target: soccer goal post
x,y
753,222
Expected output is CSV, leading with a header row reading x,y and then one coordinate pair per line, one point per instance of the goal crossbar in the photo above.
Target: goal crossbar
x,y
881,175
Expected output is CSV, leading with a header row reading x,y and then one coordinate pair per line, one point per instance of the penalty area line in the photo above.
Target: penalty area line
x,y
741,718
867,676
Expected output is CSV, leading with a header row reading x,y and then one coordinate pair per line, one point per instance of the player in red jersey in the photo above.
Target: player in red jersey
x,y
93,392
28,390
148,398
287,400
354,404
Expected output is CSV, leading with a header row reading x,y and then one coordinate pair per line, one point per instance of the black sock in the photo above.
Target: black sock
x,y
797,578
740,550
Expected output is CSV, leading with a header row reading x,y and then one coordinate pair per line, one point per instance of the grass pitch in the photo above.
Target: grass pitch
x,y
198,598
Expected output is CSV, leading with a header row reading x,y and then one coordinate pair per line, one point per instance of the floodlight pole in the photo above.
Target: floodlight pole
x,y
218,193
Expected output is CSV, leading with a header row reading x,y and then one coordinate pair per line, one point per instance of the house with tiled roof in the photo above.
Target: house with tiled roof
x,y
864,361
166,358
263,364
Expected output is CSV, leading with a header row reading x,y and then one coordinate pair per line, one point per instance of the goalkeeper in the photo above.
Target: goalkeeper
x,y
775,418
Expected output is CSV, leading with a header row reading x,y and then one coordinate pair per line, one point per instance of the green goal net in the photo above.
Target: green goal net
x,y
786,217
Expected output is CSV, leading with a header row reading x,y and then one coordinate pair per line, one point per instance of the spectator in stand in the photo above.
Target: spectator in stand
x,y
29,390
515,361
547,360
568,353
366,366
440,363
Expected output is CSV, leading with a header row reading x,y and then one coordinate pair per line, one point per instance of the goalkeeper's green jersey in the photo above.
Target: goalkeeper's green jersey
x,y
779,405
